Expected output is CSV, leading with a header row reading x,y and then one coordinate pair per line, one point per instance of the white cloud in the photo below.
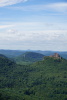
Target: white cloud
x,y
36,36
38,39
31,26
48,24
5,26
9,2
11,31
60,7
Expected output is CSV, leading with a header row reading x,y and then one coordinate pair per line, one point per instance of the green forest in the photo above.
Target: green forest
x,y
43,79
28,58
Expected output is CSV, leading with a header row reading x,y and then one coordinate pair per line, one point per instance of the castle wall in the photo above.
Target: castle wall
x,y
55,55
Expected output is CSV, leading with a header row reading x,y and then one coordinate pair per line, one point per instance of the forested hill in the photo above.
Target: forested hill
x,y
12,78
1,55
49,78
43,80
28,58
6,65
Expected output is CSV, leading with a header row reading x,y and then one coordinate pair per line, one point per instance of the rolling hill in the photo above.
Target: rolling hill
x,y
15,53
42,80
10,79
28,58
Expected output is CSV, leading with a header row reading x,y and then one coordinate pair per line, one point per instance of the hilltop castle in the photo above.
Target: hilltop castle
x,y
55,55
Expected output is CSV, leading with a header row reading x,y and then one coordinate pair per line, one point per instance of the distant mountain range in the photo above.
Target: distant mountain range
x,y
12,53
15,53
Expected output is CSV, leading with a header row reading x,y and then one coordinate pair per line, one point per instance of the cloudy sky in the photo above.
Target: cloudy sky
x,y
33,24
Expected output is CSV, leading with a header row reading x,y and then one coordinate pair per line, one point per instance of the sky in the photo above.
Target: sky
x,y
33,24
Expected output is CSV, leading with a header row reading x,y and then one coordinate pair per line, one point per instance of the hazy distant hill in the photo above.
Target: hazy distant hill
x,y
63,54
1,55
12,53
48,53
28,58
15,53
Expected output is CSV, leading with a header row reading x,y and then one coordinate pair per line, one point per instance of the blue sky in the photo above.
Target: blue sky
x,y
33,24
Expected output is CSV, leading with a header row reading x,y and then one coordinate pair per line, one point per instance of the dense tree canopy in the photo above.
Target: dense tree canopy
x,y
42,80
